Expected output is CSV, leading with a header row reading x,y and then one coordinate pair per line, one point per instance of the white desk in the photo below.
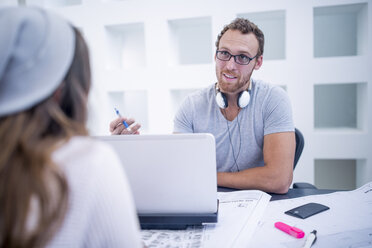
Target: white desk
x,y
348,223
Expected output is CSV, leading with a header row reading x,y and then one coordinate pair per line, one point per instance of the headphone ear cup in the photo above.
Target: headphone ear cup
x,y
244,99
221,100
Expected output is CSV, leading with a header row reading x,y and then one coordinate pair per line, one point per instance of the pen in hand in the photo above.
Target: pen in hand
x,y
310,239
124,122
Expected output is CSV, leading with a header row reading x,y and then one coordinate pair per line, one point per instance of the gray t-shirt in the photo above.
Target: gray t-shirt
x,y
239,143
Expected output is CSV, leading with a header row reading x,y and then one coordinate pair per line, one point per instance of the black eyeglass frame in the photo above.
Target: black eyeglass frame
x,y
231,55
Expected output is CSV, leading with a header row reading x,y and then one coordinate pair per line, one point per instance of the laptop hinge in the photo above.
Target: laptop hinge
x,y
176,221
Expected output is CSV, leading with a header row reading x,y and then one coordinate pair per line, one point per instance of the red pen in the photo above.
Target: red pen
x,y
291,230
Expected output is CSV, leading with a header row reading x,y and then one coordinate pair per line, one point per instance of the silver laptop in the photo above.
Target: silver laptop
x,y
172,176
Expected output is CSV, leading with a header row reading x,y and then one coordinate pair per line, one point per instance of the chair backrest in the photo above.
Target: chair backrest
x,y
300,142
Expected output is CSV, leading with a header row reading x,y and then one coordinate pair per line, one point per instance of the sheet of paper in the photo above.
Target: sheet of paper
x,y
239,213
349,216
361,238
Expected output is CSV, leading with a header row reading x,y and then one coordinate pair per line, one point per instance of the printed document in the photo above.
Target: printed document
x,y
239,214
348,222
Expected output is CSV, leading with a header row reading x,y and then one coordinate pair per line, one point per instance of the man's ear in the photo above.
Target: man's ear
x,y
259,62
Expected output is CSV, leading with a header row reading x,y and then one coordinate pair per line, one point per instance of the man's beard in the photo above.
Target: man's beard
x,y
233,87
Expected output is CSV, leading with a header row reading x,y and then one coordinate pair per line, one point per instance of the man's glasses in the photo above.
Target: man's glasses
x,y
240,59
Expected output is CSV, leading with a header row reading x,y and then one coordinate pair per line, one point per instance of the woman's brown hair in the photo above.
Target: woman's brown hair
x,y
30,182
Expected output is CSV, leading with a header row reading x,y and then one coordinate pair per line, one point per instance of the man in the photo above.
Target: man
x,y
250,120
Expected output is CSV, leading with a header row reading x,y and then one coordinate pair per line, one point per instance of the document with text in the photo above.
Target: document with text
x,y
348,222
239,214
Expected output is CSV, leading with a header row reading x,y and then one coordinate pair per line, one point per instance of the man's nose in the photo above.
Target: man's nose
x,y
230,64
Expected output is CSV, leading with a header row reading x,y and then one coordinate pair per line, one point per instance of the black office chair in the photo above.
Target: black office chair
x,y
300,142
299,146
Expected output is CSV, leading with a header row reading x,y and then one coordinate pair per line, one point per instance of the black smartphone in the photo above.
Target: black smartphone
x,y
307,210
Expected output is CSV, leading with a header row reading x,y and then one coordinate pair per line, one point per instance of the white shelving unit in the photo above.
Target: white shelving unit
x,y
148,55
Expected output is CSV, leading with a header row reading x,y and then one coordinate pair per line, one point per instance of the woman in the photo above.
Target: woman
x,y
58,187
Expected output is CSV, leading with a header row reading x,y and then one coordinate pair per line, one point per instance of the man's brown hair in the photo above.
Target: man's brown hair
x,y
245,27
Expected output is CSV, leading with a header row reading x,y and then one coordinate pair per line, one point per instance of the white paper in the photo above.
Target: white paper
x,y
349,216
350,239
239,213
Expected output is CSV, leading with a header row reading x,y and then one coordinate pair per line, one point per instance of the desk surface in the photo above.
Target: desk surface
x,y
292,193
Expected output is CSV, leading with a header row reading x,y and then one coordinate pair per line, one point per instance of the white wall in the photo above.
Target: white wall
x,y
147,55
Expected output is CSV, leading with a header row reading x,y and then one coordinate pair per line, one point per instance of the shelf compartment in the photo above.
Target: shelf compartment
x,y
340,174
340,30
191,41
126,46
340,105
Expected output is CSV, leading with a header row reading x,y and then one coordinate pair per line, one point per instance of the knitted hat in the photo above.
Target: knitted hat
x,y
36,51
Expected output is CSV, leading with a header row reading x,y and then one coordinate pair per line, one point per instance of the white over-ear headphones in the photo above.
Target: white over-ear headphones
x,y
243,98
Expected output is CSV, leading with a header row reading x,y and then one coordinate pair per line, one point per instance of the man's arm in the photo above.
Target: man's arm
x,y
277,173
